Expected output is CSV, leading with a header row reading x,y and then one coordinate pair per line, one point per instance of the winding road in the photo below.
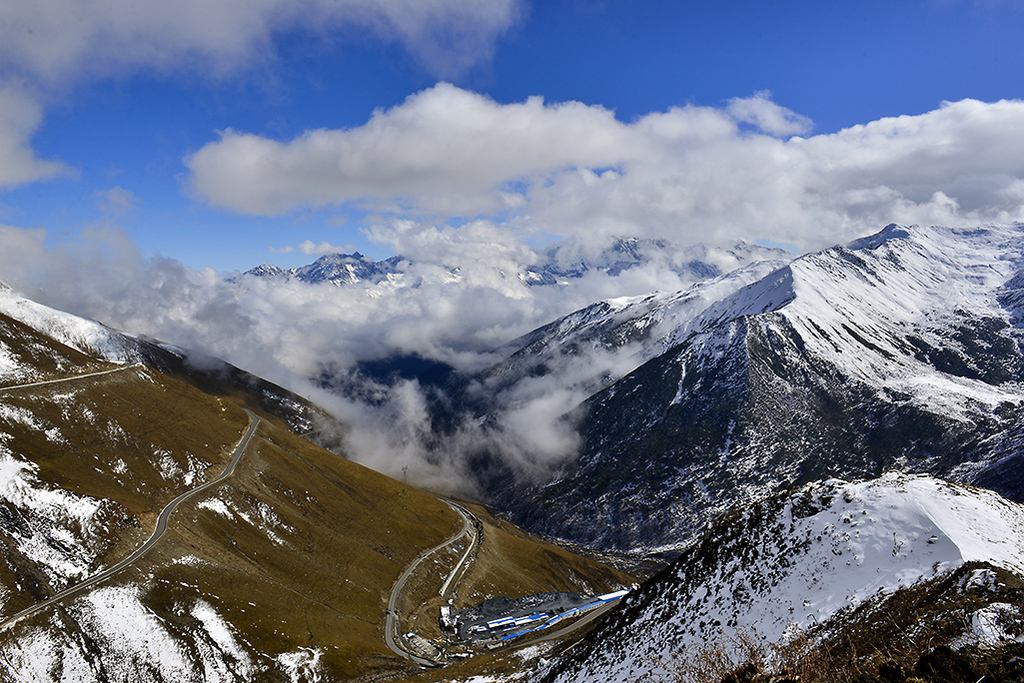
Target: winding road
x,y
392,630
161,525
73,378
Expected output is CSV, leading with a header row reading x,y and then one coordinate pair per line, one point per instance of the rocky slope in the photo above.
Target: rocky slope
x,y
901,350
624,332
814,562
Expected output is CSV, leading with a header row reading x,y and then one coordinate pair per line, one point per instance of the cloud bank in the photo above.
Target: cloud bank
x,y
48,45
459,300
691,173
20,116
58,40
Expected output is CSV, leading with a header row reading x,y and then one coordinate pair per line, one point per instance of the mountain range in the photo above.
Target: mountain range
x,y
898,351
811,466
556,265
336,269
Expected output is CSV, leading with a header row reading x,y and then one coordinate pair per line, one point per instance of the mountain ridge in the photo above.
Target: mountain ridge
x,y
896,352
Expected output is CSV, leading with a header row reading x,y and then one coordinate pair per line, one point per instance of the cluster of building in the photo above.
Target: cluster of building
x,y
510,627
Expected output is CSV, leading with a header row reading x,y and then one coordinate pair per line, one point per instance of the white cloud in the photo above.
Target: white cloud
x,y
19,118
690,173
760,111
56,40
288,331
311,248
446,148
49,44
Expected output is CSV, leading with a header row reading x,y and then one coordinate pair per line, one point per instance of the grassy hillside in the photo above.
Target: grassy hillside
x,y
281,572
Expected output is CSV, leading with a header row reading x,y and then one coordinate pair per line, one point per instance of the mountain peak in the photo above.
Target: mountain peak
x,y
890,232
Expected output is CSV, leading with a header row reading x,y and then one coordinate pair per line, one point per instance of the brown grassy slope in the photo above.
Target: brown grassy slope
x,y
129,438
312,543
41,356
511,562
328,539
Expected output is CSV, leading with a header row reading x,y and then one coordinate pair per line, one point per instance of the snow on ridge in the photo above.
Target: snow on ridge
x,y
857,306
779,569
876,309
87,336
615,336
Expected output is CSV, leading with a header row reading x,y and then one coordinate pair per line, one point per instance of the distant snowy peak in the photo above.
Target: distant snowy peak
x,y
267,270
336,269
558,265
573,260
348,269
789,563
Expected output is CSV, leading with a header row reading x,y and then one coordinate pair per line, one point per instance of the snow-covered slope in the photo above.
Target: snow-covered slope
x,y
787,564
87,336
902,350
635,329
32,357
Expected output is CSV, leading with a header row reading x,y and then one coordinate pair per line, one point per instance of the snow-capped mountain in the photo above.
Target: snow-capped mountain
x,y
337,269
631,329
557,265
789,564
899,350
572,260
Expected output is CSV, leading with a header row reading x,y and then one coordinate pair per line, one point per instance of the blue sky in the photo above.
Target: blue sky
x,y
839,64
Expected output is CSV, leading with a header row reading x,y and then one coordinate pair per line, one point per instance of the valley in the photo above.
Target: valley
x,y
768,462
150,525
510,341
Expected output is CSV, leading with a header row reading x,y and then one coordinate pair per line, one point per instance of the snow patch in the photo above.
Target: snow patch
x,y
134,637
301,666
60,530
216,505
992,625
11,368
216,667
